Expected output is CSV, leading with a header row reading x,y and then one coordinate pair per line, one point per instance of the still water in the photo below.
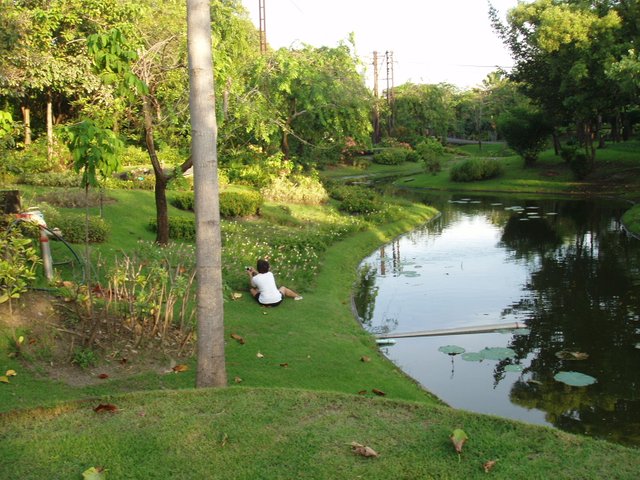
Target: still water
x,y
563,269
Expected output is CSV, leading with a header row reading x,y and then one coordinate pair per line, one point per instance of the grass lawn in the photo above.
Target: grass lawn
x,y
291,412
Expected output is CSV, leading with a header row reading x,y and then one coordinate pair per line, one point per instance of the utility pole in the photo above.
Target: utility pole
x,y
263,27
389,59
376,109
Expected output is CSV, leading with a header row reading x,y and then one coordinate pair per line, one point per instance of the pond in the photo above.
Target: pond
x,y
562,274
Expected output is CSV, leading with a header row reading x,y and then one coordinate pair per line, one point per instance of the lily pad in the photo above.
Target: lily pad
x,y
575,379
472,357
497,353
513,368
451,349
566,355
521,331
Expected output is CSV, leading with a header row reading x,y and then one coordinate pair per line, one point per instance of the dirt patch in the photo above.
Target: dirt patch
x,y
52,344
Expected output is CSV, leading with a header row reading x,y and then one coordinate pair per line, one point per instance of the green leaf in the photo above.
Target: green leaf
x,y
513,368
458,437
472,357
497,353
575,379
94,473
451,349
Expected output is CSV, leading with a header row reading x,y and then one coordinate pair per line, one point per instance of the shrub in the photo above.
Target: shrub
x,y
17,264
526,132
180,228
580,165
568,152
240,204
300,189
390,156
360,200
475,169
431,152
133,155
75,198
413,156
72,225
184,201
67,179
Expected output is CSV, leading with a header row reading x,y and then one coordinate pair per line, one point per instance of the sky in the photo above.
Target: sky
x,y
432,41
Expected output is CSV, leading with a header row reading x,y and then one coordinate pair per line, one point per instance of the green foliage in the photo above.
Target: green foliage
x,y
7,130
526,132
568,152
431,152
581,165
180,228
240,203
300,189
254,168
475,169
73,226
95,151
357,200
33,160
390,156
18,262
134,156
73,198
66,179
84,358
184,201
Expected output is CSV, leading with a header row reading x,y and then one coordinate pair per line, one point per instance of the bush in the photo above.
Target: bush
x,y
580,165
180,228
390,156
475,169
73,226
74,198
68,179
17,264
526,132
306,190
240,204
184,201
568,152
359,200
132,156
431,152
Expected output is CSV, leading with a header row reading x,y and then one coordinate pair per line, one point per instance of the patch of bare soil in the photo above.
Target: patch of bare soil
x,y
53,344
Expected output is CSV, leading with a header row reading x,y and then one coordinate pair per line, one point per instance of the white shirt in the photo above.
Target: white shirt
x,y
266,285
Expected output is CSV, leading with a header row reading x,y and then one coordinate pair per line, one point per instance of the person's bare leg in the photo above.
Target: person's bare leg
x,y
254,291
287,292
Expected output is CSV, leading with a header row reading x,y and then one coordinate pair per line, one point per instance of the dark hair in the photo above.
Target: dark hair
x,y
263,266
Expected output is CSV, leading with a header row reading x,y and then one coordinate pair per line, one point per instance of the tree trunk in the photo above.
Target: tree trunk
x,y
26,119
211,363
556,142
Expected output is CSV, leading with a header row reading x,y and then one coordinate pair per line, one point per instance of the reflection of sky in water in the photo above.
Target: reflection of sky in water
x,y
462,384
455,279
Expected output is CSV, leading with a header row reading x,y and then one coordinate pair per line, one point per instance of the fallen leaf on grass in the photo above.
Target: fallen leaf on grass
x,y
363,450
365,359
259,355
238,338
11,373
489,465
224,439
237,380
284,365
4,379
180,368
458,437
236,296
102,376
94,473
105,407
378,392
362,392
123,361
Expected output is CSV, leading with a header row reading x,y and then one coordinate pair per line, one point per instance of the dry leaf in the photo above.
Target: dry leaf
x,y
259,355
103,376
223,440
362,392
11,373
284,365
180,368
363,450
365,359
94,473
4,379
236,295
123,361
378,392
237,380
489,465
237,337
105,407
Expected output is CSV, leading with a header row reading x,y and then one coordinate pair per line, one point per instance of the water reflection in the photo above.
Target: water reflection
x,y
563,268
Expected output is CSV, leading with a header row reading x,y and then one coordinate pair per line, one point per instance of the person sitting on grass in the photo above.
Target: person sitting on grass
x,y
263,286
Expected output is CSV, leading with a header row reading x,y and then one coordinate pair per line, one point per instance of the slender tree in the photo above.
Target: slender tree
x,y
211,364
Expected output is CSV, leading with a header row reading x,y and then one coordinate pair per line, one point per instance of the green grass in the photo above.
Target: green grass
x,y
293,412
249,433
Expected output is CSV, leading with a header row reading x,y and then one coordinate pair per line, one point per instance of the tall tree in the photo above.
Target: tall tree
x,y
211,363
